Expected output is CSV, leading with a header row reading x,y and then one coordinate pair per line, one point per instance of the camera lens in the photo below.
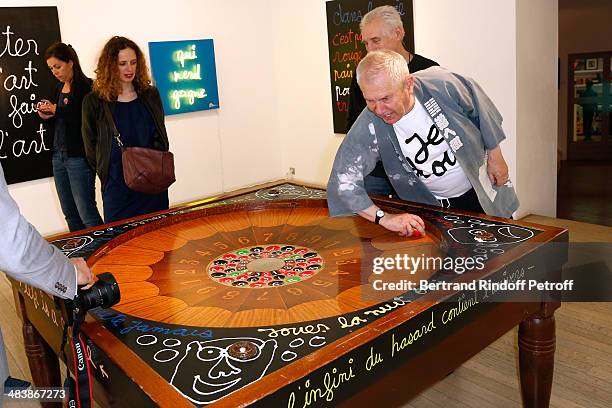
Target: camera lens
x,y
104,293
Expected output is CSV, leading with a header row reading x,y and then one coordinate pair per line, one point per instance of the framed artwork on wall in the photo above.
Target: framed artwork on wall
x,y
346,50
185,74
26,140
591,63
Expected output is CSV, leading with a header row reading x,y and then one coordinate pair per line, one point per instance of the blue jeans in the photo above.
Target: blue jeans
x,y
75,184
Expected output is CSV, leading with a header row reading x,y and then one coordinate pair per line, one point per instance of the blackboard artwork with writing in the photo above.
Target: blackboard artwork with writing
x,y
346,49
25,141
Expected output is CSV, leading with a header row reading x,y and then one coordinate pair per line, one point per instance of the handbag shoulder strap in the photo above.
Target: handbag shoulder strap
x,y
110,118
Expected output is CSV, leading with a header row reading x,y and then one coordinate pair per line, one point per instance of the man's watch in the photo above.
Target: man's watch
x,y
379,214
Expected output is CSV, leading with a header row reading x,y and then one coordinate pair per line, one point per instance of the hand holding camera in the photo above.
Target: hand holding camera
x,y
93,291
101,291
85,277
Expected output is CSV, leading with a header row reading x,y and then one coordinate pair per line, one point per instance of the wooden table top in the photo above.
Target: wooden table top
x,y
259,297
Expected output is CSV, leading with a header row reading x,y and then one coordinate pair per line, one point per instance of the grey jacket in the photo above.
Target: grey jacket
x,y
27,257
466,117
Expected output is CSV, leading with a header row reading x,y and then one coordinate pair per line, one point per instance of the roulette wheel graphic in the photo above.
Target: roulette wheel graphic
x,y
287,262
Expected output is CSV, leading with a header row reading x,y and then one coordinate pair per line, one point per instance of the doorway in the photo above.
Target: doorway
x,y
589,106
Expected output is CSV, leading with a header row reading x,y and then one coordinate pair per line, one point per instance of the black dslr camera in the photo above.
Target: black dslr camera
x,y
104,293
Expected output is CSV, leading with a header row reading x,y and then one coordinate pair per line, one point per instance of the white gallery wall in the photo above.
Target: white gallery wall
x,y
272,72
476,38
536,106
215,151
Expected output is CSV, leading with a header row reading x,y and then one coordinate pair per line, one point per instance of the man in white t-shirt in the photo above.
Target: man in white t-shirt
x,y
437,134
431,158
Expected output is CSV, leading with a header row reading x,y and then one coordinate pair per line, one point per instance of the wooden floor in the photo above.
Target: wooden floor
x,y
583,360
584,193
583,366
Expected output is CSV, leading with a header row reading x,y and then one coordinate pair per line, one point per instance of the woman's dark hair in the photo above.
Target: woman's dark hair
x,y
65,52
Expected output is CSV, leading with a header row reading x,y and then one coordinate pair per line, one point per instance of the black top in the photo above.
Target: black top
x,y
98,128
68,113
136,125
136,128
59,135
357,102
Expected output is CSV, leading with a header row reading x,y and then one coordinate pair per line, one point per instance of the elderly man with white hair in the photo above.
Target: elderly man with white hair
x,y
437,134
381,29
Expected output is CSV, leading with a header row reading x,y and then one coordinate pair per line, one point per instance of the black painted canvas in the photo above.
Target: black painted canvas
x,y
346,49
25,139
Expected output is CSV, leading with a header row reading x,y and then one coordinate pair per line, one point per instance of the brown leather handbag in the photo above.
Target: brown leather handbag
x,y
145,170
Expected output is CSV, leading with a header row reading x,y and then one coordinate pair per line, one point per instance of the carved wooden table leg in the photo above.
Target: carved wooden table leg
x,y
44,365
537,356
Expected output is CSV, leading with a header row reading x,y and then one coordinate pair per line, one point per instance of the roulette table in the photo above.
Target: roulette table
x,y
259,298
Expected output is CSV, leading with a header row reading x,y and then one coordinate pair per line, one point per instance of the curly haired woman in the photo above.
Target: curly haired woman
x,y
123,84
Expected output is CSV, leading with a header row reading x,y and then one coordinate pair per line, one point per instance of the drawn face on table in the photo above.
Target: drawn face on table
x,y
60,69
126,65
376,36
208,371
490,234
70,245
387,99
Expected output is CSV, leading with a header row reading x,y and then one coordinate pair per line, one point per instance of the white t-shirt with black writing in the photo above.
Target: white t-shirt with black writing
x,y
431,157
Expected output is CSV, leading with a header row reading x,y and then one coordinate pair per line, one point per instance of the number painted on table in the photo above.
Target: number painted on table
x,y
346,262
185,271
205,290
221,245
312,240
190,261
231,294
191,281
331,244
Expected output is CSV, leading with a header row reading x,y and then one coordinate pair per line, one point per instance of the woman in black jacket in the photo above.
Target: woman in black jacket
x,y
74,178
123,98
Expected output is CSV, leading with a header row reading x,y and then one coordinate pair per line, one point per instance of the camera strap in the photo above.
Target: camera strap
x,y
79,390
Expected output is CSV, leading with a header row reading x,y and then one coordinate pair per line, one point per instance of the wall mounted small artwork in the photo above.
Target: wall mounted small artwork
x,y
185,74
591,63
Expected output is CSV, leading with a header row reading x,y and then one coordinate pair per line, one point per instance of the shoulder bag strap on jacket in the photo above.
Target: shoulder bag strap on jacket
x,y
110,118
